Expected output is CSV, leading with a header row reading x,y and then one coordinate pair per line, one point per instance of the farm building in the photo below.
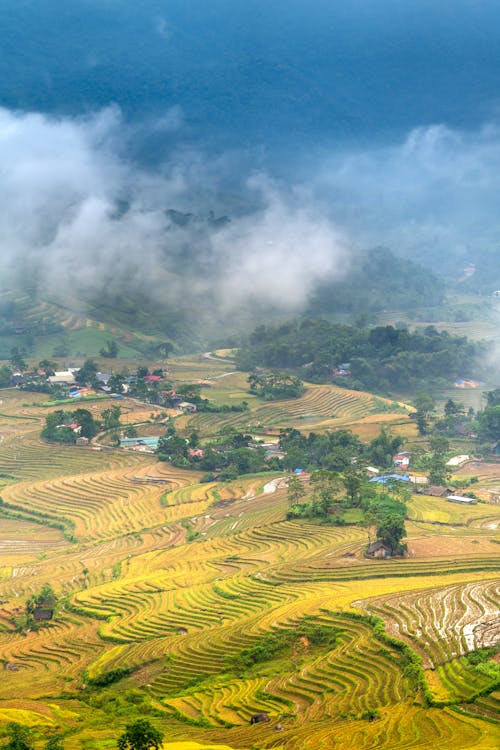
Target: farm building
x,y
140,442
17,379
188,407
82,441
195,452
42,614
461,500
378,550
457,460
418,479
435,491
401,460
388,478
63,377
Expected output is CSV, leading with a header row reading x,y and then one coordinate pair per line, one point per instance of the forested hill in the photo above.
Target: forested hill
x,y
379,279
378,359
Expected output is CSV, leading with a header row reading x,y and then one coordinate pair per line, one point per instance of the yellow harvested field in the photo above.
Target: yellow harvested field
x,y
198,605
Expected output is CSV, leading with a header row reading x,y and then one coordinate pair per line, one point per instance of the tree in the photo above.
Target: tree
x,y
439,443
87,373
194,440
140,735
19,737
55,742
111,417
391,531
47,366
165,348
115,383
453,409
5,376
296,489
383,447
86,421
425,405
111,350
353,481
325,485
17,359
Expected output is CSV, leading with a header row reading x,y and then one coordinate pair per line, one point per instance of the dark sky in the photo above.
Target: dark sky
x,y
258,71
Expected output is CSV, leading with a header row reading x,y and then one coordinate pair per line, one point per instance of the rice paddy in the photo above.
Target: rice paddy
x,y
167,586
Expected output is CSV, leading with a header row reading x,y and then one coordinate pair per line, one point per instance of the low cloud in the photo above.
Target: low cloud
x,y
78,214
434,195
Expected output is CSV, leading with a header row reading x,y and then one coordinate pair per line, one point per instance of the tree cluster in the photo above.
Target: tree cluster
x,y
380,359
275,385
386,276
226,458
337,450
58,427
489,418
329,495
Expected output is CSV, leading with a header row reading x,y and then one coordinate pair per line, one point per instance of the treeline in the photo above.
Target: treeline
x,y
379,279
489,418
380,359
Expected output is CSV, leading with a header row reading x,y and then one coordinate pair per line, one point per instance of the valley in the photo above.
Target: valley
x,y
200,606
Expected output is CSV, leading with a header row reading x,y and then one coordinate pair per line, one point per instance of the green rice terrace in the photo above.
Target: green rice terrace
x,y
201,607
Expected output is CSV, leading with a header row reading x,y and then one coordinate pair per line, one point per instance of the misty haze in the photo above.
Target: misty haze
x,y
250,374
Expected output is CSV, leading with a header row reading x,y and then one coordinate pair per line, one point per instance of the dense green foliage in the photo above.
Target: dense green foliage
x,y
307,633
275,385
109,677
58,426
489,419
336,450
330,495
380,358
391,530
392,282
140,735
19,737
226,458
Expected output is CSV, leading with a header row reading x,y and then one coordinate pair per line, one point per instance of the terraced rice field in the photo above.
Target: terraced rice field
x,y
172,619
321,406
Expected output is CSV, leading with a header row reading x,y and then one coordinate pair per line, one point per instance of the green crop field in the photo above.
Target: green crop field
x,y
197,605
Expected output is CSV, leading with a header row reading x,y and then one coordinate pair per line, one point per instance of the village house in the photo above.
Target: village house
x,y
378,550
435,491
461,500
388,478
401,460
17,380
63,377
44,609
43,614
196,453
146,444
187,407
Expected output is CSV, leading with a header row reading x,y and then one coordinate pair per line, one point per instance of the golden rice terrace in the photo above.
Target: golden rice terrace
x,y
201,608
